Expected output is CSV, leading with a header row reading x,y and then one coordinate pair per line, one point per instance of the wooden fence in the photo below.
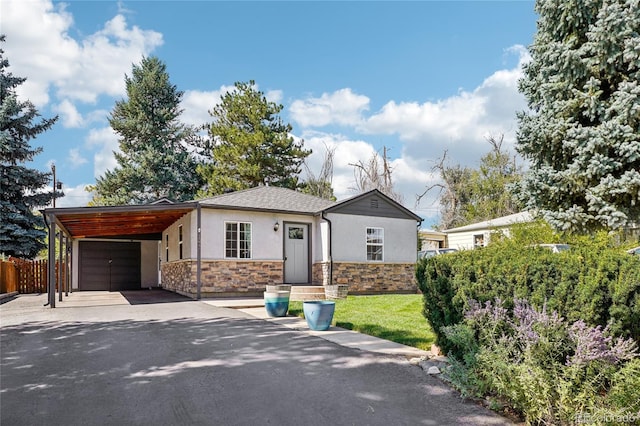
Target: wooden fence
x,y
24,276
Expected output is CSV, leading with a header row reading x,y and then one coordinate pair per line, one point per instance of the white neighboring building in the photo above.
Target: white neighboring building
x,y
478,234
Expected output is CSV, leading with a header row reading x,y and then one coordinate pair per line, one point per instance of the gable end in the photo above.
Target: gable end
x,y
374,204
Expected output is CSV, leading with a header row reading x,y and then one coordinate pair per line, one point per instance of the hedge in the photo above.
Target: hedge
x,y
600,286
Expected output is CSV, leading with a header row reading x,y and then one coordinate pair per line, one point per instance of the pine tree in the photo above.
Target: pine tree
x,y
250,145
157,151
582,134
21,188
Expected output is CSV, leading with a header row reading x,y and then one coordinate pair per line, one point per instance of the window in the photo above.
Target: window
x,y
375,244
296,233
166,246
180,240
237,240
478,240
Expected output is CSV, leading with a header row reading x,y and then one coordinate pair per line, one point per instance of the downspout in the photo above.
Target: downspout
x,y
330,251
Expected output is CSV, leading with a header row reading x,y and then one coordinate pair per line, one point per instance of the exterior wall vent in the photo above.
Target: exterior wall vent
x,y
374,203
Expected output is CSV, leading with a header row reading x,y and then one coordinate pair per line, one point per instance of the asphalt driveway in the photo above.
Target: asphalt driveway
x,y
189,363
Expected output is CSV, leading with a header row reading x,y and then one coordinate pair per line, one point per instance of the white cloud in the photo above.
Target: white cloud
x,y
106,142
75,196
274,96
39,47
75,159
197,104
70,115
340,107
459,124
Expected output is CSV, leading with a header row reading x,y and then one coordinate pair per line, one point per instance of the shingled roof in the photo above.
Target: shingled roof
x,y
268,198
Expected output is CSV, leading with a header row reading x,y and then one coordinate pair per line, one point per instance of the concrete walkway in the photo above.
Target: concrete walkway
x,y
338,335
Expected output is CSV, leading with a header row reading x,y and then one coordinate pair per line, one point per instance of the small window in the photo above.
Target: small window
x,y
180,241
166,246
296,233
478,240
375,244
237,240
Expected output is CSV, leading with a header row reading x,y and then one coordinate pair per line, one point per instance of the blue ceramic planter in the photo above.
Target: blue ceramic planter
x,y
276,303
319,314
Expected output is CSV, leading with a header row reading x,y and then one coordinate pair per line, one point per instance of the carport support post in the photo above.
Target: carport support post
x,y
52,262
67,278
60,276
198,253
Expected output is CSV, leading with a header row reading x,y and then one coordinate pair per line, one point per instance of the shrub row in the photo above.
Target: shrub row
x,y
596,284
549,371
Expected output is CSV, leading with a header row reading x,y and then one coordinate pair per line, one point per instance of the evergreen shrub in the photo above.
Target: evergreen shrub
x,y
593,281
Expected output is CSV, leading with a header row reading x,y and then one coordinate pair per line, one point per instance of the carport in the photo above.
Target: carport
x,y
112,225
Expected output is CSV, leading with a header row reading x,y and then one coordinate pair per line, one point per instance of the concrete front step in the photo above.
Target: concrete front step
x,y
301,293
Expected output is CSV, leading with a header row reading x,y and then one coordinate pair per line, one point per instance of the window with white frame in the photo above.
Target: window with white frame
x,y
375,244
180,241
237,240
478,240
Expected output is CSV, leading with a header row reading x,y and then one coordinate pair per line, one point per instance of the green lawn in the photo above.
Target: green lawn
x,y
395,317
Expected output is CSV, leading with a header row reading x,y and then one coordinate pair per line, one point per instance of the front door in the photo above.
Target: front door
x,y
296,253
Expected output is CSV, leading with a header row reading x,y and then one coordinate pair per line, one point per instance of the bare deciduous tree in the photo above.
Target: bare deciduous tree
x,y
468,195
375,174
320,185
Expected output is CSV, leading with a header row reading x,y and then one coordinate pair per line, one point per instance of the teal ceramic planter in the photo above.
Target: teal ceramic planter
x,y
276,303
319,314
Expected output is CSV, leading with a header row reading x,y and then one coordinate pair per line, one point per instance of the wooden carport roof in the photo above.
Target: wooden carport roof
x,y
146,221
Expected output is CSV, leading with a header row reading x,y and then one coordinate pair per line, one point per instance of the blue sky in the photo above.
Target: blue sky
x,y
420,77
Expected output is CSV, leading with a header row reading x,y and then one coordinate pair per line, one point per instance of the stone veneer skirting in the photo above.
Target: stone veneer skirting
x,y
368,277
222,277
238,277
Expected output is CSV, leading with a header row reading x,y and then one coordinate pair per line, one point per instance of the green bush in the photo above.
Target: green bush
x,y
594,282
549,370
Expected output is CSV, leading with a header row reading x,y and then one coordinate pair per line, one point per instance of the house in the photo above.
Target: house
x,y
237,243
478,234
431,239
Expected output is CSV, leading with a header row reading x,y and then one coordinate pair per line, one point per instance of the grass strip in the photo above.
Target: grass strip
x,y
395,317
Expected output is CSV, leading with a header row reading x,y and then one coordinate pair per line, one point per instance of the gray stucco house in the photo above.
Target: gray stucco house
x,y
237,243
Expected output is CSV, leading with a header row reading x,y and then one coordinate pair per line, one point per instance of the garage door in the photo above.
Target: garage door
x,y
111,266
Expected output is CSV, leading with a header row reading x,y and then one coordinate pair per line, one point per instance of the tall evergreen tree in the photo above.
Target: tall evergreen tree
x,y
582,134
157,151
250,145
21,188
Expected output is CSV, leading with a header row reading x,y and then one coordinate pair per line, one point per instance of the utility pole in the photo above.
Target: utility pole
x,y
53,169
57,186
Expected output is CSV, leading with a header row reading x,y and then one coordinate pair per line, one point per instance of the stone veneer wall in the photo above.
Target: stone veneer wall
x,y
176,276
320,273
369,277
222,277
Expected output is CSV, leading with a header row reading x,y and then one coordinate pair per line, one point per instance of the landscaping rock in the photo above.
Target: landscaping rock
x,y
417,361
433,370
